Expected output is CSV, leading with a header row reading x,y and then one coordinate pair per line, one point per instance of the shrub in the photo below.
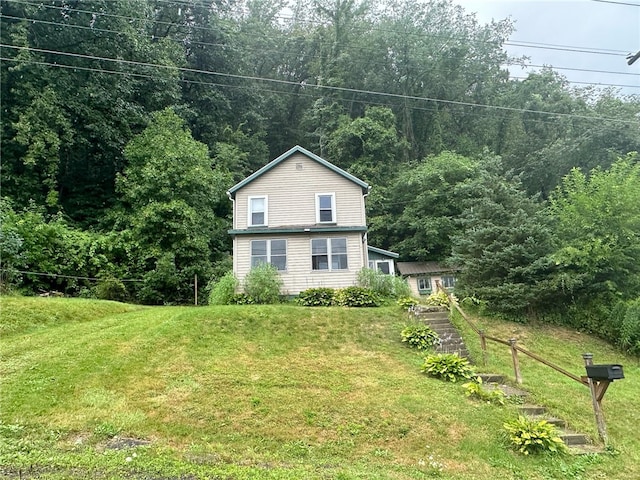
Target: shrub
x,y
407,302
630,328
242,299
386,286
437,299
474,389
111,289
223,290
534,436
356,297
419,336
449,367
263,284
316,297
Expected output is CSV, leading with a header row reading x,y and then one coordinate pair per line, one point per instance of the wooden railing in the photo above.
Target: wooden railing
x,y
512,343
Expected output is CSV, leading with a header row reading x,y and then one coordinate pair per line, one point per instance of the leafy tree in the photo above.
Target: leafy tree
x,y
175,207
504,246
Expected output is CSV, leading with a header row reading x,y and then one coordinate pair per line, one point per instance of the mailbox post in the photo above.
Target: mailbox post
x,y
598,379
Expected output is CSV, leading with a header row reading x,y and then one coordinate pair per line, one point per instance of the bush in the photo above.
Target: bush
x,y
407,302
316,297
111,289
356,297
419,336
449,367
474,389
437,299
534,436
386,286
630,328
223,290
263,284
242,299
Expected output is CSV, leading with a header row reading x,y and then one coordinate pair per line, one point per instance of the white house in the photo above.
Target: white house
x,y
422,276
306,217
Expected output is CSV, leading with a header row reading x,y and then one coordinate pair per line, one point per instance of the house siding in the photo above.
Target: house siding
x,y
291,189
299,275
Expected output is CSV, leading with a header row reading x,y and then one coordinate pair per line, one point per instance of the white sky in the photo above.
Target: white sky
x,y
580,23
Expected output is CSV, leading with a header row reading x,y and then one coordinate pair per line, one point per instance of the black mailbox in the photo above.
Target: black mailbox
x,y
605,372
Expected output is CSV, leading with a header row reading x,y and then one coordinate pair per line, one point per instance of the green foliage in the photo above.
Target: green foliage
x,y
448,366
357,297
263,283
242,299
630,328
407,302
436,299
419,336
475,390
222,292
111,289
316,297
530,436
386,286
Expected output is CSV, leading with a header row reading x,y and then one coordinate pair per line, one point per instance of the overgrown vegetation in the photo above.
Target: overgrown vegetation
x,y
385,286
317,297
474,389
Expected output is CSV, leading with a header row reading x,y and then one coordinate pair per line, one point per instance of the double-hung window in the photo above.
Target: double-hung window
x,y
257,211
329,254
326,208
269,251
424,285
448,281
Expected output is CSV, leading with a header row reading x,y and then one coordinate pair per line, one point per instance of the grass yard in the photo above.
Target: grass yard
x,y
269,392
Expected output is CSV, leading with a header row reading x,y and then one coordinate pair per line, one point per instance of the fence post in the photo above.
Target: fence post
x,y
597,408
514,356
483,345
195,282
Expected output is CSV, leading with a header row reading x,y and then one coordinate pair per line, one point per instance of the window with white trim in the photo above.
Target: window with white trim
x,y
257,211
269,251
424,285
329,254
326,208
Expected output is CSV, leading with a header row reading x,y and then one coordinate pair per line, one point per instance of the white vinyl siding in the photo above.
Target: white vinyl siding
x,y
292,196
258,211
326,208
269,251
299,274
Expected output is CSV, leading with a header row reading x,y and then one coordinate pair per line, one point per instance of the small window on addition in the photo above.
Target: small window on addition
x,y
424,285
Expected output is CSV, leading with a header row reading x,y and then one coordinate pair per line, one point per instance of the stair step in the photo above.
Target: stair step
x,y
558,422
491,378
572,438
532,410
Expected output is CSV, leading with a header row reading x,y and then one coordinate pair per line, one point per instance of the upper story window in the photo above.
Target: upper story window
x,y
329,254
257,211
326,208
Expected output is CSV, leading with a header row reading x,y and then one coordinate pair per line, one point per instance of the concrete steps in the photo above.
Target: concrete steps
x,y
437,318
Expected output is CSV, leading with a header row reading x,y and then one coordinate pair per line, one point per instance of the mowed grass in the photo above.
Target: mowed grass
x,y
248,392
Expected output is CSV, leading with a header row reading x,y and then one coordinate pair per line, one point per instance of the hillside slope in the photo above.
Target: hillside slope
x,y
247,392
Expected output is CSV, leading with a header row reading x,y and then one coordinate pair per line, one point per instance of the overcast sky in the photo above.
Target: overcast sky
x,y
613,27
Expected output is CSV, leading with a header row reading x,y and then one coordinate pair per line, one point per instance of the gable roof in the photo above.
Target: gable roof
x,y
420,268
380,251
297,149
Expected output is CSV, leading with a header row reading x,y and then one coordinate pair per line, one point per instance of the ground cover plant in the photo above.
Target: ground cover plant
x,y
257,391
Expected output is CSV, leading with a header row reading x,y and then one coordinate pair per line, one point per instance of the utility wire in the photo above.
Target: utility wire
x,y
55,275
313,86
617,3
193,42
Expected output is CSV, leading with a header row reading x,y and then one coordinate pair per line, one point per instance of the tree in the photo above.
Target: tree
x,y
175,207
503,248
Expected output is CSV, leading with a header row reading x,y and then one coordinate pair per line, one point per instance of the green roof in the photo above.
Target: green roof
x,y
380,251
297,149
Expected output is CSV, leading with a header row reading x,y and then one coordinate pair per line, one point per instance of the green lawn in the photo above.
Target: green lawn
x,y
266,392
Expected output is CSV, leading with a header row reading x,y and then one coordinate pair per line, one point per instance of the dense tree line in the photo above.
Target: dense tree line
x,y
125,121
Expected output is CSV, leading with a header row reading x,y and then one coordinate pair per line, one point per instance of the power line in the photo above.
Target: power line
x,y
617,3
55,275
193,42
315,86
